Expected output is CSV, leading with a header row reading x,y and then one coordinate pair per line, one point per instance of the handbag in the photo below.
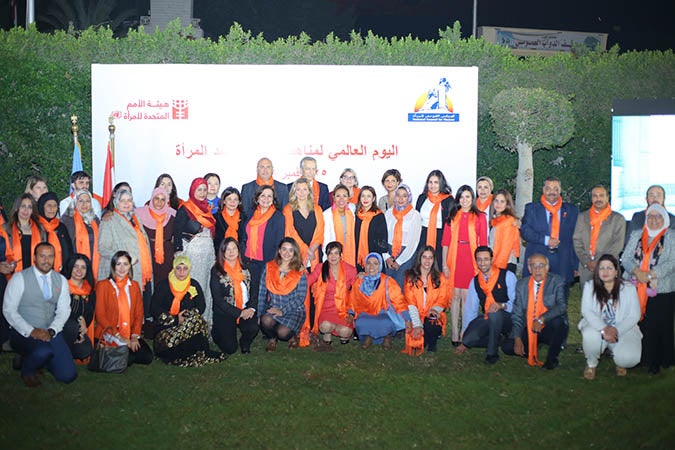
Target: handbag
x,y
109,359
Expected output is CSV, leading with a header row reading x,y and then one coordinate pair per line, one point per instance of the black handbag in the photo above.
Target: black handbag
x,y
109,359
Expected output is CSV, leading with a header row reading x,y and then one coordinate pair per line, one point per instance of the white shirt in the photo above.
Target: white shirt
x,y
65,203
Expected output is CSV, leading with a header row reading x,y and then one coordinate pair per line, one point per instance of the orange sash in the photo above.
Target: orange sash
x,y
535,308
159,235
276,285
237,275
9,255
52,238
340,298
596,219
487,286
440,296
363,250
143,250
254,225
454,242
123,308
348,243
507,240
647,251
397,240
84,292
317,237
355,195
316,190
436,200
484,205
205,218
232,222
555,219
259,181
35,239
82,241
177,297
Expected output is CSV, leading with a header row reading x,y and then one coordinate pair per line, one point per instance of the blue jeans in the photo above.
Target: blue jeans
x,y
54,355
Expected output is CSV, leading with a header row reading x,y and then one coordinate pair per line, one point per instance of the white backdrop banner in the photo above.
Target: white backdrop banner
x,y
188,120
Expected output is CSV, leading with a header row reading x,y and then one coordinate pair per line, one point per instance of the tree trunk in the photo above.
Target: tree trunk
x,y
525,178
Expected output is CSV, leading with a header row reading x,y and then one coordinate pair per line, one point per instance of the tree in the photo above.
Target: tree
x,y
82,14
526,120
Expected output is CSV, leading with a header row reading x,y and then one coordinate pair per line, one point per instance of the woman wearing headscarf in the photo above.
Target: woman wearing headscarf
x,y
331,282
649,262
233,307
158,220
281,300
193,233
610,312
182,337
404,226
78,330
378,302
119,310
123,231
82,225
166,181
464,231
370,227
434,204
24,231
230,218
427,296
57,234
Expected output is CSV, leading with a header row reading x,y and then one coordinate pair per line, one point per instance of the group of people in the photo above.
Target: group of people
x,y
303,264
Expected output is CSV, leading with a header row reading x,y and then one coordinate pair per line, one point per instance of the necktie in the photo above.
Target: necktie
x,y
45,288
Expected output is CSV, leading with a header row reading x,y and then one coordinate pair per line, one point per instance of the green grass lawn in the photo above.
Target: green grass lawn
x,y
346,399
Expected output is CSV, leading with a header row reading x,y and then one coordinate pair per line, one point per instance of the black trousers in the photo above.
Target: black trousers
x,y
552,335
658,330
224,332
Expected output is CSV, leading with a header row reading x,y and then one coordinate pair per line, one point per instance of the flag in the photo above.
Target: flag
x,y
108,176
77,159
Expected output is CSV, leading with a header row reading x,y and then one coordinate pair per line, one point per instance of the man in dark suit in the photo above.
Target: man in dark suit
x,y
655,194
265,171
309,169
538,314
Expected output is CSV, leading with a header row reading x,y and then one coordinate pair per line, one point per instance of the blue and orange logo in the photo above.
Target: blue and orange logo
x,y
434,105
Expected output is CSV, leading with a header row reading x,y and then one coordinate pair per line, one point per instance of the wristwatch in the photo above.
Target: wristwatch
x,y
540,320
51,332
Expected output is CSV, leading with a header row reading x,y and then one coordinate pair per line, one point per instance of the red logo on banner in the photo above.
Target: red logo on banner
x,y
179,109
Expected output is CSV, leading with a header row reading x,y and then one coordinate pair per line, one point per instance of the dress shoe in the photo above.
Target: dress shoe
x,y
324,346
491,359
653,370
271,345
455,343
589,373
245,351
367,342
31,380
550,365
387,342
16,362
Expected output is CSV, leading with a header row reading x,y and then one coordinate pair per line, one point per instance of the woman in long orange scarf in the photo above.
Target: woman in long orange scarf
x,y
193,234
370,228
434,204
404,225
158,220
304,222
78,331
233,307
281,300
230,218
484,197
82,225
339,222
464,231
427,296
331,282
119,310
377,302
649,261
24,231
504,236
182,337
57,234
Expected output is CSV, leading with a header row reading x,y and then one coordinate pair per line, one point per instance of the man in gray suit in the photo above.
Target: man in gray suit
x,y
538,314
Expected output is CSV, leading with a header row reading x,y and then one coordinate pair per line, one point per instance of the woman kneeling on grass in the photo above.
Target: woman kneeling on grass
x,y
610,312
331,282
281,299
177,306
377,301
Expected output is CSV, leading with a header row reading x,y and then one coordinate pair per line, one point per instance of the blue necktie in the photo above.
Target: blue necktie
x,y
45,288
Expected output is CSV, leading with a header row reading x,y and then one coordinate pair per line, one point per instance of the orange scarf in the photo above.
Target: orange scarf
x,y
237,275
373,304
254,225
205,218
281,286
414,295
596,223
52,238
159,235
9,255
232,222
123,307
316,190
363,251
317,237
397,240
535,308
143,250
436,200
35,239
484,205
178,296
83,291
259,181
487,286
647,251
340,298
555,219
355,195
348,243
507,240
454,243
82,241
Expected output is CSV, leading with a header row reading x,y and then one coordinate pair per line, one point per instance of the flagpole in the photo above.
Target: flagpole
x,y
111,129
73,127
